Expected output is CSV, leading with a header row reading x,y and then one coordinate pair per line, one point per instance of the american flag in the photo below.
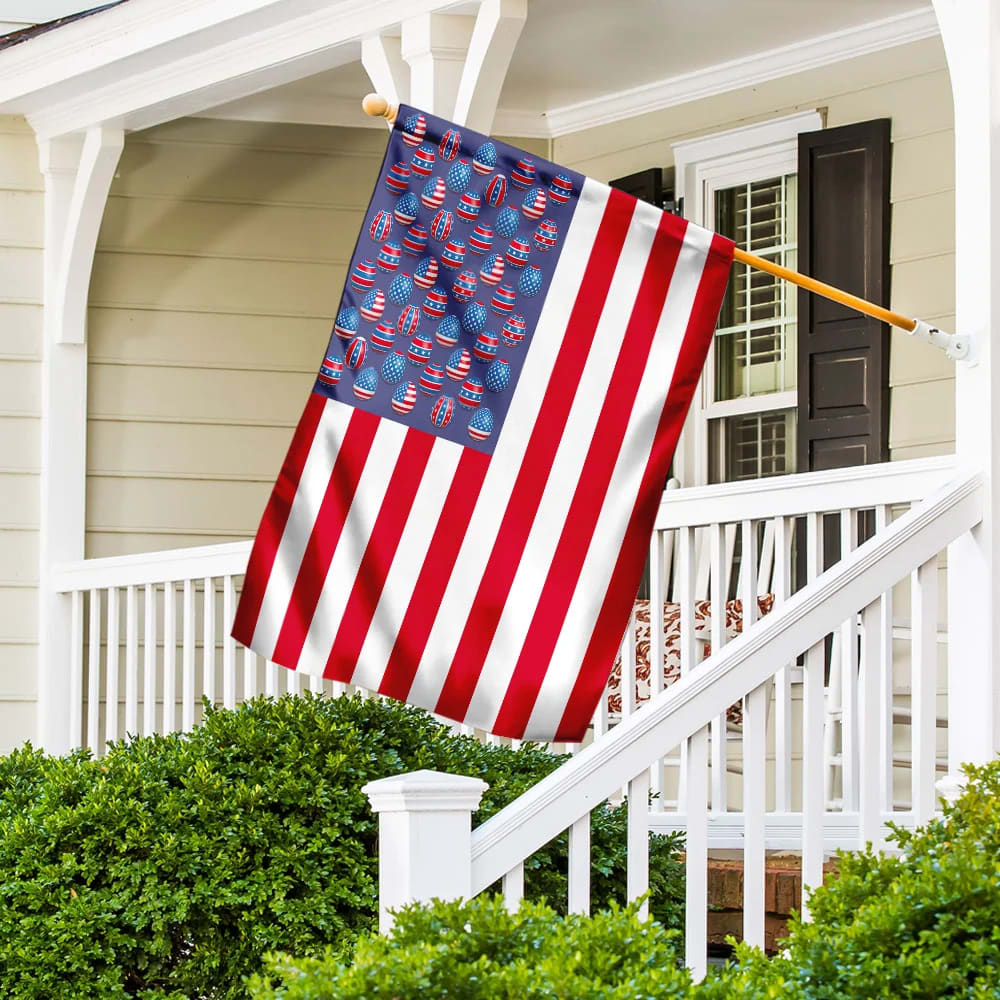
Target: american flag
x,y
462,518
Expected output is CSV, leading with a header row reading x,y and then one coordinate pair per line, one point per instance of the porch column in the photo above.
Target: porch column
x,y
971,33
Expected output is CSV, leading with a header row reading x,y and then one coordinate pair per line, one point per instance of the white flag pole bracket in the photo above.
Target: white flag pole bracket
x,y
954,345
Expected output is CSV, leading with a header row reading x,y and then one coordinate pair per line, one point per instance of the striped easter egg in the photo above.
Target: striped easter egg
x,y
365,384
458,176
498,376
503,300
474,318
435,303
506,222
496,190
354,356
331,369
389,256
485,159
470,395
408,322
481,425
403,397
523,175
397,180
464,289
394,367
400,288
448,331
450,145
453,254
383,337
414,129
492,270
441,225
530,282
363,275
561,189
373,305
407,209
546,235
433,193
468,206
486,347
420,350
431,379
442,411
422,162
534,203
481,240
415,241
514,330
518,252
459,363
381,226
346,325
426,272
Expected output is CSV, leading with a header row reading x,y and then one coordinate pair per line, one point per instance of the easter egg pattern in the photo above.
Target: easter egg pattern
x,y
459,175
506,222
394,367
453,254
448,331
423,161
383,337
561,189
523,174
373,305
485,159
347,323
389,256
492,270
496,190
513,330
363,276
481,424
365,384
442,411
400,288
406,210
518,252
432,196
420,350
431,379
435,303
441,225
451,143
415,240
397,180
381,226
530,283
426,272
503,300
464,289
408,322
357,349
468,206
403,397
331,369
474,318
546,235
498,376
534,203
414,129
470,395
481,239
459,364
487,345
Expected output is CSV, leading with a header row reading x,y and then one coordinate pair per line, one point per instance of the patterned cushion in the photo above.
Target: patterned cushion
x,y
672,648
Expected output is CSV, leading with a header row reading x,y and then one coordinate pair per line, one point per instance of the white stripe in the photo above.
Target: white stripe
x,y
564,476
511,443
312,488
401,580
609,531
368,494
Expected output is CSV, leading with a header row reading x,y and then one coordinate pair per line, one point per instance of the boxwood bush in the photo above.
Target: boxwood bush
x,y
167,868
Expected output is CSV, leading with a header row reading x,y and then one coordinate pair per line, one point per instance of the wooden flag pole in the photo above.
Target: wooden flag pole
x,y
954,346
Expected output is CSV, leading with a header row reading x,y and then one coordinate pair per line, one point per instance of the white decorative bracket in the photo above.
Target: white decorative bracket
x,y
386,68
954,345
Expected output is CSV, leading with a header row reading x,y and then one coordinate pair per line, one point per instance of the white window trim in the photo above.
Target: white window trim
x,y
736,156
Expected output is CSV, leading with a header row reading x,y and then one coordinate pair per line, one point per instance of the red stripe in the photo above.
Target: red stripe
x,y
272,524
347,469
617,607
378,555
456,512
592,488
508,547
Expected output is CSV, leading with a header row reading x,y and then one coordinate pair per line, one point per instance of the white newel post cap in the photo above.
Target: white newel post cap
x,y
424,837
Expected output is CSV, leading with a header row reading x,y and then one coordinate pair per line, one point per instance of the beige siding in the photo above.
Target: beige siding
x,y
908,84
21,221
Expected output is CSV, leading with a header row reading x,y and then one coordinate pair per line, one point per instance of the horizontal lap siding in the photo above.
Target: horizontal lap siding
x,y
21,237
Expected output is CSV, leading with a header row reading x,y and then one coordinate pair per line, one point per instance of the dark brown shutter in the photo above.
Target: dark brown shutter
x,y
843,357
646,185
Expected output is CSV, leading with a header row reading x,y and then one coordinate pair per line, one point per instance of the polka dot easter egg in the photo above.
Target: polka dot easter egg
x,y
394,367
534,203
423,161
400,288
432,197
514,330
481,240
485,159
442,411
459,363
420,350
459,174
470,395
530,282
492,270
389,256
383,337
506,222
474,318
431,379
356,352
496,191
414,129
487,345
523,175
365,384
363,276
415,241
450,145
498,376
426,272
381,226
546,235
373,305
347,323
503,300
406,210
435,303
441,225
408,322
481,424
464,289
453,254
518,252
403,397
397,180
561,189
331,369
448,331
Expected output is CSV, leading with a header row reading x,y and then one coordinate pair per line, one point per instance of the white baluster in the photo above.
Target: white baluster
x,y
316,683
637,841
849,678
271,679
228,643
923,690
187,654
869,719
94,674
601,714
293,681
718,598
578,875
339,689
131,662
111,691
208,642
688,644
249,673
149,661
76,671
656,649
169,718
782,588
696,852
886,684
513,887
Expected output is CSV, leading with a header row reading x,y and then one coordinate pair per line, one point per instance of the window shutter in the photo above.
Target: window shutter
x,y
843,357
646,185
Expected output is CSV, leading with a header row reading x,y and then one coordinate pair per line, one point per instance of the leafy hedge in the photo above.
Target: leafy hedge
x,y
167,868
924,925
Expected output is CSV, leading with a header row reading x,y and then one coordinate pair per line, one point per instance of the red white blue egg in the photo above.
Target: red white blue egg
x,y
442,411
468,206
373,305
383,337
432,196
397,180
453,254
407,209
474,318
485,159
514,330
414,129
496,190
415,241
448,331
403,397
523,175
464,289
365,384
498,376
394,367
389,256
408,322
423,161
381,226
459,175
441,225
426,272
400,288
507,221
481,424
459,363
346,325
481,239
420,350
534,203
546,235
561,189
503,300
530,282
356,351
363,275
451,144
470,395
435,303
492,270
431,379
486,347
518,252
331,369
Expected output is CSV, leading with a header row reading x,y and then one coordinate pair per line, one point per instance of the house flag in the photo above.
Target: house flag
x,y
463,516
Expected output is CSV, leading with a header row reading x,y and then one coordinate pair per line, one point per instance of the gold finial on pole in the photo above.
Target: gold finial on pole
x,y
378,107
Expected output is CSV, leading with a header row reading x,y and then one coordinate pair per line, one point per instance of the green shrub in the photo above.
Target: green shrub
x,y
171,865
